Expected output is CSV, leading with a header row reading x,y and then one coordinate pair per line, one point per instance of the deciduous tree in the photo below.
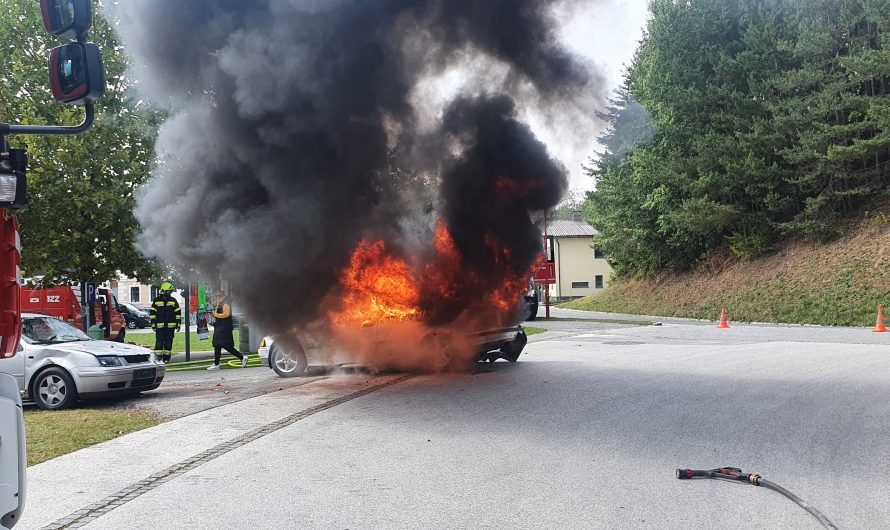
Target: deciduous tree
x,y
81,189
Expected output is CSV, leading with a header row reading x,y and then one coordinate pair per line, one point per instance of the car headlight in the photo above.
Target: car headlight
x,y
109,360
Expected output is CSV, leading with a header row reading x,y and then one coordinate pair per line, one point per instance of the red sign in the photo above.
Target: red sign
x,y
545,274
193,299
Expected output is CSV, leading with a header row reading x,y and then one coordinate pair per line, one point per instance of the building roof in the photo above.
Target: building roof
x,y
559,228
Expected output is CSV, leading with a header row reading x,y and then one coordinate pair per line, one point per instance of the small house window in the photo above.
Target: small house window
x,y
598,254
599,281
134,295
580,285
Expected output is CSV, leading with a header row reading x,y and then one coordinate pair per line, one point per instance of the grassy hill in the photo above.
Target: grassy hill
x,y
839,283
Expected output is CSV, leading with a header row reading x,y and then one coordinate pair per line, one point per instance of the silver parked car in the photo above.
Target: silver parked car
x,y
58,363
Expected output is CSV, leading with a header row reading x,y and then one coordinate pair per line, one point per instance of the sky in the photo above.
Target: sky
x,y
605,33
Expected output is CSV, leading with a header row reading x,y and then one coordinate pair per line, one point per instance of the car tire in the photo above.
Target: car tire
x,y
291,363
53,389
438,351
513,349
131,324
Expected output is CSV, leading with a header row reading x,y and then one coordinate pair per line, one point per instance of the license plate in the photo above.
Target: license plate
x,y
144,373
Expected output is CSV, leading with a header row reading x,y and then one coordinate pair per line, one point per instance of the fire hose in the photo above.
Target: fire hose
x,y
735,474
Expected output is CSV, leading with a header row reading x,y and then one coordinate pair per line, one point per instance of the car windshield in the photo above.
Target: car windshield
x,y
48,330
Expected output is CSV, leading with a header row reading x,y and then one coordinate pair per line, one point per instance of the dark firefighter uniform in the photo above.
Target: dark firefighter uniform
x,y
166,317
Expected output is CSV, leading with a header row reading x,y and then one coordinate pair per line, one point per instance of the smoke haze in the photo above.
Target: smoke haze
x,y
298,128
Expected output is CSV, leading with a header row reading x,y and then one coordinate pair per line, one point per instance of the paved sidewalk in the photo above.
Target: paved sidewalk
x,y
68,484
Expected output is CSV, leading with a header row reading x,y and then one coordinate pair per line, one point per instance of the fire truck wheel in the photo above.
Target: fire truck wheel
x,y
290,363
53,389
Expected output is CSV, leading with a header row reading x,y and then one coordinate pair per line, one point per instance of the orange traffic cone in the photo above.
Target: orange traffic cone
x,y
880,327
724,322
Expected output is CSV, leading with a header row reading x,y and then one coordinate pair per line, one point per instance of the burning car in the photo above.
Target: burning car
x,y
397,312
434,350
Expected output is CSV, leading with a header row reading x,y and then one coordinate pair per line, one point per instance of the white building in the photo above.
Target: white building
x,y
580,268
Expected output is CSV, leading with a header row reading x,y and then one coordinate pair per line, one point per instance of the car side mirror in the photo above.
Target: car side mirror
x,y
68,19
76,75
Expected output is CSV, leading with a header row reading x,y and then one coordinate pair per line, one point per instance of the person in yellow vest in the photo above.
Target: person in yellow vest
x,y
165,316
223,337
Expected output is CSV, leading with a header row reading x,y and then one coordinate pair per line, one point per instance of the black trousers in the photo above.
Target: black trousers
x,y
164,342
217,353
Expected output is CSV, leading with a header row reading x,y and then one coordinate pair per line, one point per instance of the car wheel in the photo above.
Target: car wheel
x,y
291,363
131,324
438,350
513,349
53,389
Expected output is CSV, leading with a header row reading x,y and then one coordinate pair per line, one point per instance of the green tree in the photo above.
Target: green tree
x,y
567,209
627,126
79,223
770,120
837,101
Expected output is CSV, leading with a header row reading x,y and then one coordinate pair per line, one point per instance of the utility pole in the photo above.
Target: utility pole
x,y
188,321
546,286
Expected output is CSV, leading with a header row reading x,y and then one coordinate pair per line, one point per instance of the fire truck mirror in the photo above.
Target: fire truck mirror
x,y
69,19
76,75
12,190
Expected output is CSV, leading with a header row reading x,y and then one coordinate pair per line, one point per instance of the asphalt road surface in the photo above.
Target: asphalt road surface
x,y
586,431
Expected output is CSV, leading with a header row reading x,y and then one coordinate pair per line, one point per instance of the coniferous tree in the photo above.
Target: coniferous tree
x,y
770,120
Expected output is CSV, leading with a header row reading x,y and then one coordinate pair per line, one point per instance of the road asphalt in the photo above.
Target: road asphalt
x,y
586,431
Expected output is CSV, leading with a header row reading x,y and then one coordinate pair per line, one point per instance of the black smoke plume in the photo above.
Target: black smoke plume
x,y
295,130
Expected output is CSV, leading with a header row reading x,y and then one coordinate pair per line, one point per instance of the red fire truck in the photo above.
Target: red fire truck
x,y
63,303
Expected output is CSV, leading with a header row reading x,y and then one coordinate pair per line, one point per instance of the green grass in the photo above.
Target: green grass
x,y
148,340
529,330
768,302
57,432
840,283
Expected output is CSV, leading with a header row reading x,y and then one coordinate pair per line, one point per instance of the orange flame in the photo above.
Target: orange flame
x,y
378,287
444,272
377,316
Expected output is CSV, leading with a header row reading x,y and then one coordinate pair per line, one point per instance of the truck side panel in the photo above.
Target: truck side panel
x,y
58,302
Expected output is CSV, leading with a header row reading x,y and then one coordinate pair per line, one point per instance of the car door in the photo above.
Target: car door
x,y
15,366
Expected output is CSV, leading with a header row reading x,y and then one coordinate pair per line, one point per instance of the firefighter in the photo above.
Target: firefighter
x,y
166,317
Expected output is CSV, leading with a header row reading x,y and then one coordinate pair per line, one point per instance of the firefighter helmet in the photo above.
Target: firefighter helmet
x,y
166,287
